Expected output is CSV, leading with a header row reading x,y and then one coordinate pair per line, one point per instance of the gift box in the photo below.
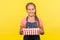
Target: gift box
x,y
30,31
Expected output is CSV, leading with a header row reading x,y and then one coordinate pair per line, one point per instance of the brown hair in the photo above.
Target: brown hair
x,y
35,11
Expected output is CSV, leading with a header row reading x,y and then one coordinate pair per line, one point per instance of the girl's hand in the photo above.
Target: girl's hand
x,y
41,31
21,32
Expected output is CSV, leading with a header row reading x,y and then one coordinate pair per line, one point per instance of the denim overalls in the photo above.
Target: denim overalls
x,y
31,25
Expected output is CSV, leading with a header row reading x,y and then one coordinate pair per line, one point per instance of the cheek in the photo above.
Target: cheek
x,y
28,11
33,11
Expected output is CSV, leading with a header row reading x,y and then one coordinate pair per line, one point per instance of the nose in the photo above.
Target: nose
x,y
31,10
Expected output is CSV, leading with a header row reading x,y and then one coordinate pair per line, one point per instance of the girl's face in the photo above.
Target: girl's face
x,y
31,10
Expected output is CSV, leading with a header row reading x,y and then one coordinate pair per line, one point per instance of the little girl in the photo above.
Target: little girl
x,y
31,21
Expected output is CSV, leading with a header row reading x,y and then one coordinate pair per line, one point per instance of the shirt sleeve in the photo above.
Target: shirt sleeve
x,y
40,23
23,22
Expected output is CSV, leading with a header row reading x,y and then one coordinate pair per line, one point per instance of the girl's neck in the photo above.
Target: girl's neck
x,y
31,16
31,19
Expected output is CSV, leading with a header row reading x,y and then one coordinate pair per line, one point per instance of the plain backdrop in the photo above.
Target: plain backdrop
x,y
13,11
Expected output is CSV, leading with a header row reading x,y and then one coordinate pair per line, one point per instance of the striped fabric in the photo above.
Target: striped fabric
x,y
30,31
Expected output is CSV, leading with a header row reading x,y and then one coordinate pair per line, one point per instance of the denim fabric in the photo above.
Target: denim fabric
x,y
31,37
31,25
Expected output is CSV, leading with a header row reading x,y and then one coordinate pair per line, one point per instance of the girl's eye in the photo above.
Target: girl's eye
x,y
32,9
28,9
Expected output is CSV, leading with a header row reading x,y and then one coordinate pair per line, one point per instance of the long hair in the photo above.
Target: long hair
x,y
35,11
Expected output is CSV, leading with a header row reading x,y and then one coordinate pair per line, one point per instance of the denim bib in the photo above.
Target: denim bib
x,y
31,25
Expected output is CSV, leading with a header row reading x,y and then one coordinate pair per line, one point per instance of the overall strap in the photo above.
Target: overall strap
x,y
37,21
27,19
